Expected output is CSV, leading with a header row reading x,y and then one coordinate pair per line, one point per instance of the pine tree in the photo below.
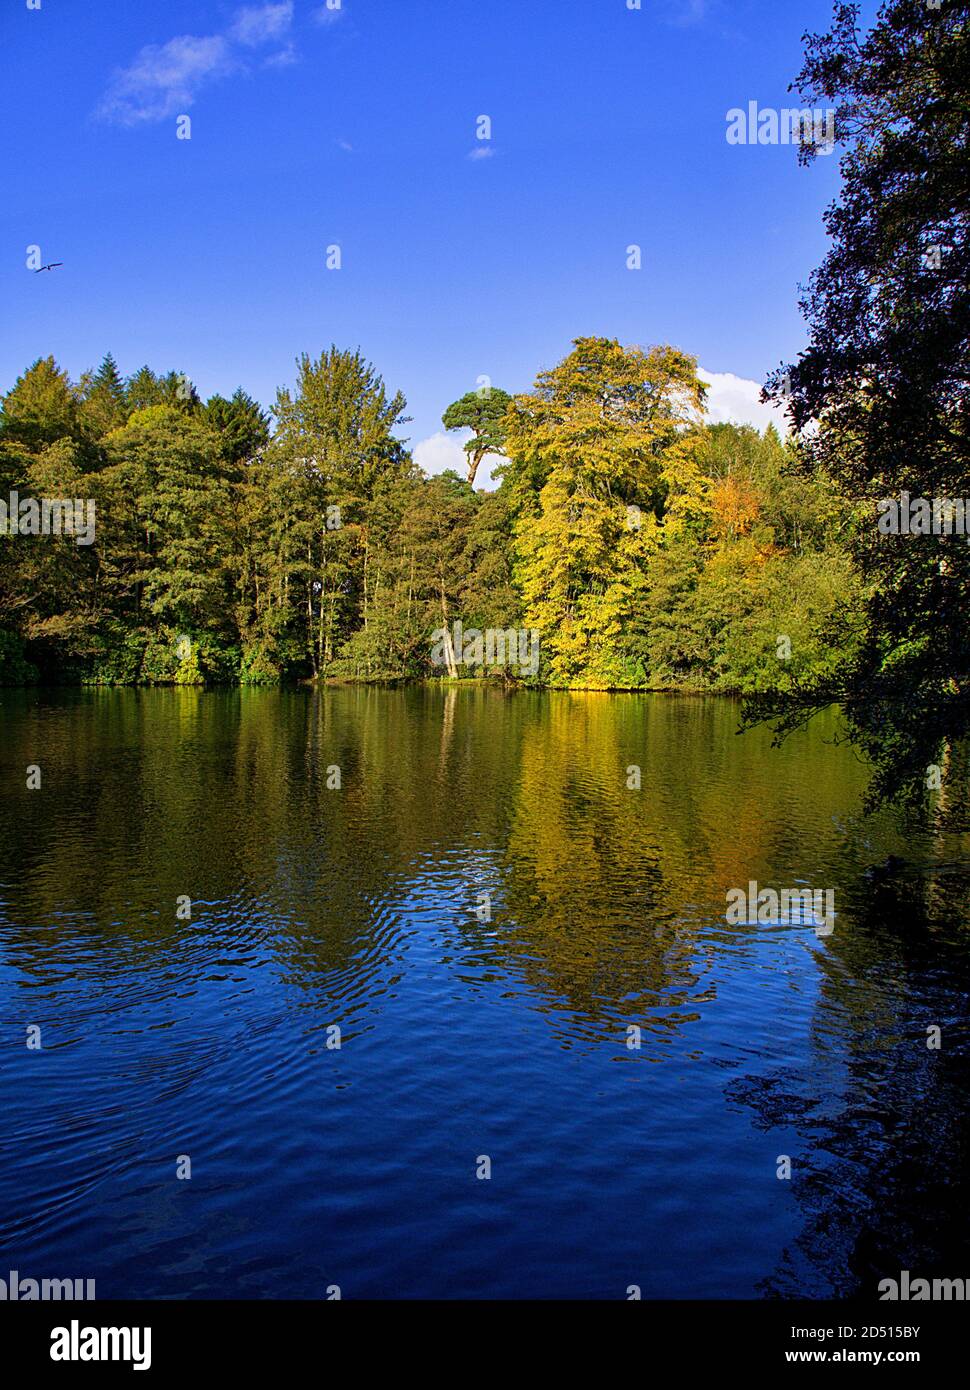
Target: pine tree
x,y
40,408
242,425
104,403
483,412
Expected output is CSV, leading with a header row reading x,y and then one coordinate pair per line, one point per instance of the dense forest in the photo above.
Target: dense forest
x,y
646,548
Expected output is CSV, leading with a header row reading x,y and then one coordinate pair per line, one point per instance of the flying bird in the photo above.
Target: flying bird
x,y
53,266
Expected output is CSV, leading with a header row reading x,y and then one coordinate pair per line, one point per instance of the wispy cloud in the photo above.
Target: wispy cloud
x,y
285,58
481,152
165,79
689,12
258,24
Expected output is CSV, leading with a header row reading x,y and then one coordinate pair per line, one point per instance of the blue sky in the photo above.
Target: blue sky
x,y
461,258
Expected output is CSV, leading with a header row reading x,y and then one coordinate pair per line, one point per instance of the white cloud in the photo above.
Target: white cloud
x,y
165,78
736,400
481,152
258,24
440,452
328,14
283,58
443,451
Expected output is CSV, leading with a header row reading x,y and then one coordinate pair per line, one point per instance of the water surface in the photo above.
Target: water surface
x,y
484,908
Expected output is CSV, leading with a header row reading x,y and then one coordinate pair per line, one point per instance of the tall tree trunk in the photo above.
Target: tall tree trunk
x,y
328,647
449,648
476,459
366,551
309,613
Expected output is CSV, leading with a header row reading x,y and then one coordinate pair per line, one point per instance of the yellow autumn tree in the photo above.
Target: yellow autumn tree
x,y
590,453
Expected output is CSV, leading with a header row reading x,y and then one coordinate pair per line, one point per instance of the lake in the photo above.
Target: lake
x,y
532,974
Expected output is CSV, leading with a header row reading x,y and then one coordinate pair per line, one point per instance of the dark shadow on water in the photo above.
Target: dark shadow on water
x,y
883,1172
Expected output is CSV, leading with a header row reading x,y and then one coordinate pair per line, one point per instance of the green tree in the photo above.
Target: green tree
x,y
104,405
41,407
169,494
48,588
242,424
419,571
336,447
885,382
145,388
483,412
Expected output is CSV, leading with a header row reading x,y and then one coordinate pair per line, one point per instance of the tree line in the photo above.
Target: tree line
x,y
646,548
